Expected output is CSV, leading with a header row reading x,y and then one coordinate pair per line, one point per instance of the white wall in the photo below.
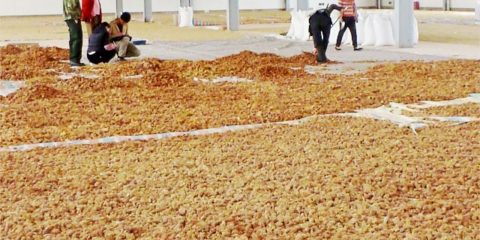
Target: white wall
x,y
454,4
54,7
314,4
431,4
32,7
201,5
463,4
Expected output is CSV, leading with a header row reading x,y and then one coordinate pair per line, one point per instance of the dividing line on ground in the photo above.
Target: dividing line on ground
x,y
391,113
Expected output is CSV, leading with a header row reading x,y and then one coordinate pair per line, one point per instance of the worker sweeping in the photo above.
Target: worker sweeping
x,y
320,25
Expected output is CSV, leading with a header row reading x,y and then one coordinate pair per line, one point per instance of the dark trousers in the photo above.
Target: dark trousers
x,y
76,39
320,25
350,24
320,38
101,56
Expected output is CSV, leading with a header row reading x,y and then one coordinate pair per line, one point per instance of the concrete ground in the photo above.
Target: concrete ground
x,y
442,35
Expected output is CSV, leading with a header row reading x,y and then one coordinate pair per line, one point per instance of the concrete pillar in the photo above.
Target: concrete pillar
x,y
119,7
147,11
185,3
379,4
477,12
404,23
292,5
233,15
447,5
302,4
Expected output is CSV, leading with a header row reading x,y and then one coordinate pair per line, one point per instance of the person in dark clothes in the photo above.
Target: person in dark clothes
x,y
320,25
349,17
100,50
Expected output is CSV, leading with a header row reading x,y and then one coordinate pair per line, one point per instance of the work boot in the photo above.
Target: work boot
x,y
321,58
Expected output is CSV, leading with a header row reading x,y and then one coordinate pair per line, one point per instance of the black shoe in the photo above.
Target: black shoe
x,y
357,49
76,64
338,48
121,59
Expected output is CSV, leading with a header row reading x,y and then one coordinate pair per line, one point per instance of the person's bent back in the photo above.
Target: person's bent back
x,y
99,47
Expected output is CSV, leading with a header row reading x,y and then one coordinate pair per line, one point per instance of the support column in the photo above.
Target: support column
x,y
302,5
477,12
379,4
185,3
404,23
119,7
447,5
233,15
147,11
287,5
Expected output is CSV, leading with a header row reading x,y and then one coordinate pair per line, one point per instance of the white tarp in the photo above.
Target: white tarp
x,y
393,113
226,79
9,87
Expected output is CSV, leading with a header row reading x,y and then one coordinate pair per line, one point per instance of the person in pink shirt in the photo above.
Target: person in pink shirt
x,y
349,17
91,14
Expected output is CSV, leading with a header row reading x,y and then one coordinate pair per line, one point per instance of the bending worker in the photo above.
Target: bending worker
x,y
100,50
121,38
320,25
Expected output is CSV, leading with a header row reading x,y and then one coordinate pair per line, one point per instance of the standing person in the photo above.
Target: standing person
x,y
100,50
349,17
320,25
72,13
121,38
91,14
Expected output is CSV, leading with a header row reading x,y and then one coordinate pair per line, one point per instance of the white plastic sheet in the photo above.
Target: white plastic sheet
x,y
227,79
9,87
393,113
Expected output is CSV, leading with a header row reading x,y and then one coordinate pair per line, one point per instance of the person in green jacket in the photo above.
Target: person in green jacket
x,y
72,13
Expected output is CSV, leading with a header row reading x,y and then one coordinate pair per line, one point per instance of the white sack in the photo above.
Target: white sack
x,y
304,33
185,15
291,30
383,30
335,28
369,31
361,28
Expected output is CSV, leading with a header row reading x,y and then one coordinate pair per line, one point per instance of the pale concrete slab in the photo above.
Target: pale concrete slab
x,y
208,50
